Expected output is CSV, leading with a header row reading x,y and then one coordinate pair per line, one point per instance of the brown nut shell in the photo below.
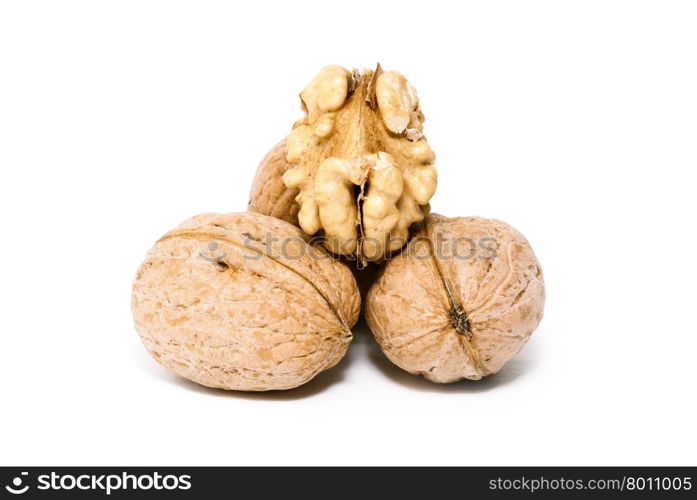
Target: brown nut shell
x,y
269,195
242,302
460,300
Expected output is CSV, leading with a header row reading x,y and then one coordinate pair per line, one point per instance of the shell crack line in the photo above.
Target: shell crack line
x,y
458,316
197,235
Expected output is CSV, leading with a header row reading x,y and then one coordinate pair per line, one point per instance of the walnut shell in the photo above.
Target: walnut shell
x,y
269,195
241,301
459,301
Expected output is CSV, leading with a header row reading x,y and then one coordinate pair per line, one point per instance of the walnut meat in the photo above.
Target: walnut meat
x,y
459,301
361,165
241,301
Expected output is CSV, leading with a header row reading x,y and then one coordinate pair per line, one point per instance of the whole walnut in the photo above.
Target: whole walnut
x,y
360,167
459,301
242,301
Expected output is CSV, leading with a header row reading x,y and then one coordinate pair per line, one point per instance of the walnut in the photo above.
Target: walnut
x,y
269,195
361,164
459,301
242,301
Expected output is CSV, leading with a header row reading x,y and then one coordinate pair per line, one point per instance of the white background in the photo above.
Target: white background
x,y
576,122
